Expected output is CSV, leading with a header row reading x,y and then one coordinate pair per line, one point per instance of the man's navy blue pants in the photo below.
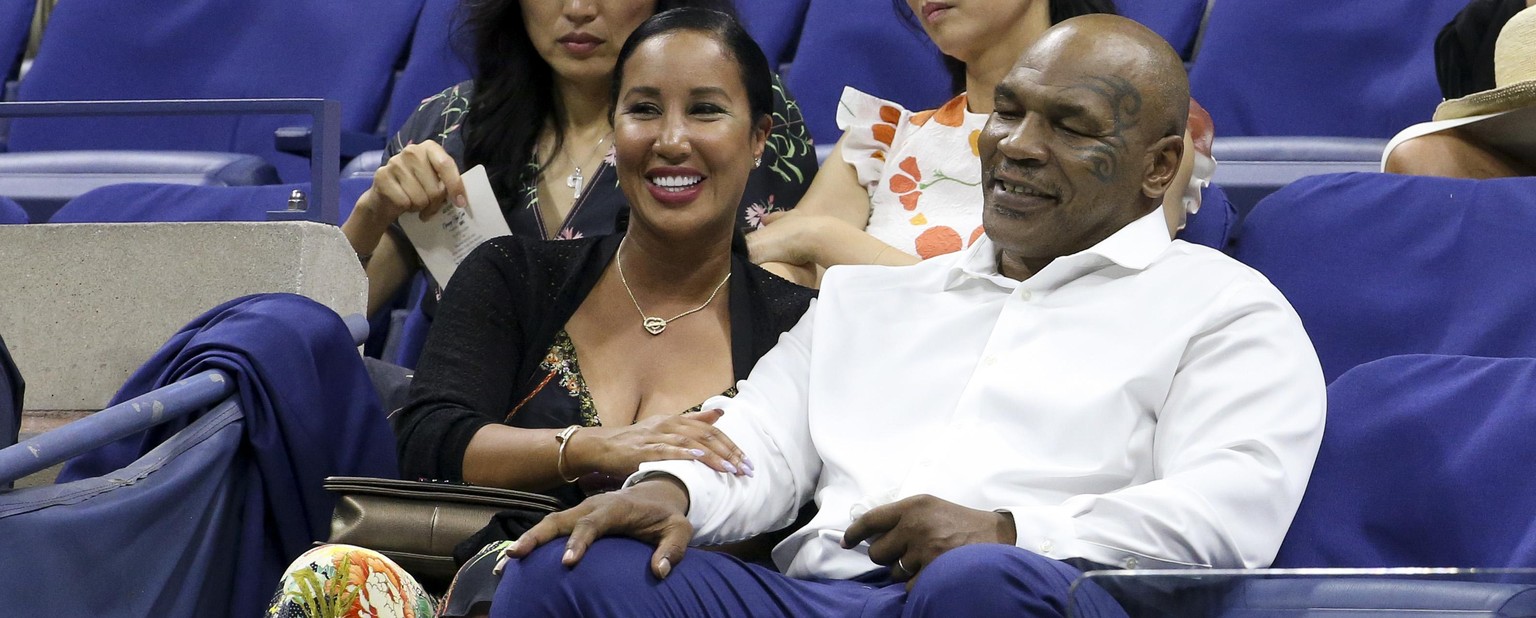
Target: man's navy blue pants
x,y
614,579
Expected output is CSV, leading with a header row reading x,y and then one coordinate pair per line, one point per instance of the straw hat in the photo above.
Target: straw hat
x,y
1514,73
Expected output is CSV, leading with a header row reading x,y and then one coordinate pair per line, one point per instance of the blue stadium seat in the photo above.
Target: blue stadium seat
x,y
1178,21
146,202
12,213
1213,225
204,479
363,165
774,25
878,53
1320,67
1251,168
1379,265
42,182
432,64
141,49
15,29
1422,466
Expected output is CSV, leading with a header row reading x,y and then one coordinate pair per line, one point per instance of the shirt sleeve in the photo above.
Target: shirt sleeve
x,y
768,421
465,379
1233,449
870,130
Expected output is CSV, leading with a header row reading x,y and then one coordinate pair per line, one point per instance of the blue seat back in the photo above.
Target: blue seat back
x,y
150,202
432,64
15,28
1177,21
1425,462
344,50
1355,68
42,182
1379,264
11,212
878,53
146,202
1213,225
774,25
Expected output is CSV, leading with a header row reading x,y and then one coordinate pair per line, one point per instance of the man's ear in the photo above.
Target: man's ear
x,y
1162,165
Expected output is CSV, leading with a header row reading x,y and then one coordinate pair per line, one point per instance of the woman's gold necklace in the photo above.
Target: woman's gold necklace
x,y
652,324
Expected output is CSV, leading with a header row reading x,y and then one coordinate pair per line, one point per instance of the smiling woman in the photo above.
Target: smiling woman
x,y
662,316
536,115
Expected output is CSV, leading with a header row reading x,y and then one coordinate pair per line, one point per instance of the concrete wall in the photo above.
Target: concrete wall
x,y
83,305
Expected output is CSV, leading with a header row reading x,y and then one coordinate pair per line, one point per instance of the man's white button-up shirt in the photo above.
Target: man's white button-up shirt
x,y
1141,402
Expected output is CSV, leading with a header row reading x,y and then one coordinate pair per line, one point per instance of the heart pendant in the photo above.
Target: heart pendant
x,y
654,326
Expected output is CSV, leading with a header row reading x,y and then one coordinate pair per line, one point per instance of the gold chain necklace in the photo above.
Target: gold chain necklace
x,y
652,324
576,180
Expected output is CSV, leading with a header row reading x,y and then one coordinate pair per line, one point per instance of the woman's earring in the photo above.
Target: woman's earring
x,y
756,162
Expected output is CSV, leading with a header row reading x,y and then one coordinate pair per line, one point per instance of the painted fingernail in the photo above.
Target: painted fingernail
x,y
570,554
747,461
501,564
729,467
696,452
665,567
746,466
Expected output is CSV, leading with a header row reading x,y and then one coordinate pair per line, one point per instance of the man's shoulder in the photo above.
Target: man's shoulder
x,y
1203,271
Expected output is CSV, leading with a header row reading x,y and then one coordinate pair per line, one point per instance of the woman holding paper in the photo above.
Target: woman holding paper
x,y
536,116
662,316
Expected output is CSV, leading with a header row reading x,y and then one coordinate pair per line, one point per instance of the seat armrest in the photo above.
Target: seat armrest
x,y
296,140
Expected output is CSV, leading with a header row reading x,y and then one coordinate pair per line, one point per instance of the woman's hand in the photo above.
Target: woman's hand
x,y
790,237
654,511
422,178
619,451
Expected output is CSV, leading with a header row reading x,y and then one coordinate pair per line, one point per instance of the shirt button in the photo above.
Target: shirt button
x,y
1131,562
1046,547
989,361
1024,294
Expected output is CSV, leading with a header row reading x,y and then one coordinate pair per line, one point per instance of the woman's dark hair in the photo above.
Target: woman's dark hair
x,y
1061,10
756,78
514,88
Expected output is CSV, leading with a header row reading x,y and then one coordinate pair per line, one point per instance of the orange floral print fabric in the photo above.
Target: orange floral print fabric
x,y
929,202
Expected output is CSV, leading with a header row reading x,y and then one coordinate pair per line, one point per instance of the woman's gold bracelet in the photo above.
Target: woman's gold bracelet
x,y
564,438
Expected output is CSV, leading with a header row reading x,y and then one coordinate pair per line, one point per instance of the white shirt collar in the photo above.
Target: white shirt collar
x,y
1134,246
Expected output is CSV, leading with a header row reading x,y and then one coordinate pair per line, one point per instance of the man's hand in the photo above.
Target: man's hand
x,y
654,511
909,534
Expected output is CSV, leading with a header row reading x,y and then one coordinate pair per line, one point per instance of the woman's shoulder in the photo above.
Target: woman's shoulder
x,y
437,117
547,256
783,300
